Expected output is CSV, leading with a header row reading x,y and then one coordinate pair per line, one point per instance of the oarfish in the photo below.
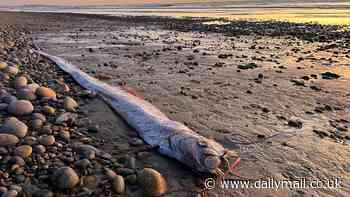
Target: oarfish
x,y
171,138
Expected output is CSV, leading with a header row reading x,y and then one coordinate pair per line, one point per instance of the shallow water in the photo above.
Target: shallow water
x,y
324,14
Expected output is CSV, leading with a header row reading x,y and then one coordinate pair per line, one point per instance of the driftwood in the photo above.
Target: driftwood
x,y
171,138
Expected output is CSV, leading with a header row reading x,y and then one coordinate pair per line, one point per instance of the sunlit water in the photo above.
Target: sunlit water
x,y
339,15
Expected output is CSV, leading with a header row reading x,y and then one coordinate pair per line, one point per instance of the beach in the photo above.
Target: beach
x,y
274,92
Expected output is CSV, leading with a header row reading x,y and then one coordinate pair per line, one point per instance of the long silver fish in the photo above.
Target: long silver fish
x,y
171,138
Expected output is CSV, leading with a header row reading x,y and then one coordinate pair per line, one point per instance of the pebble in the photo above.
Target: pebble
x,y
8,139
110,173
66,178
47,140
83,163
152,182
70,104
65,135
21,82
38,116
12,70
14,126
37,124
26,94
48,110
23,151
119,184
10,193
3,65
39,149
46,93
33,87
20,108
65,117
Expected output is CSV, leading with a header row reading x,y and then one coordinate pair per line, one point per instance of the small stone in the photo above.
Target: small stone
x,y
93,129
110,173
66,178
130,162
33,87
70,104
17,160
39,149
3,65
12,70
37,124
3,106
48,110
47,140
8,139
38,116
26,94
46,93
65,117
29,140
136,142
132,179
65,135
3,151
20,108
14,126
152,182
119,184
83,163
23,151
10,193
21,82
3,190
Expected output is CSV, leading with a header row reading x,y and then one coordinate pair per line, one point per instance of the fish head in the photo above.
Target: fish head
x,y
210,156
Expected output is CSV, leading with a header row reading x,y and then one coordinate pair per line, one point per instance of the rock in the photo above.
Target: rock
x,y
20,108
39,149
90,182
110,173
15,127
136,142
330,75
17,160
70,104
8,139
3,65
65,117
93,129
152,182
48,110
9,99
10,193
3,106
12,70
46,93
37,124
3,151
295,123
66,178
26,94
132,179
130,162
47,140
29,140
33,87
21,82
38,116
247,66
119,184
65,135
23,151
83,163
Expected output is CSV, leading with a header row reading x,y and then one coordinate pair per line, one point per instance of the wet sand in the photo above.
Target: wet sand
x,y
191,72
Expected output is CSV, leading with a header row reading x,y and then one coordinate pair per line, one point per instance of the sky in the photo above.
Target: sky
x,y
87,2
